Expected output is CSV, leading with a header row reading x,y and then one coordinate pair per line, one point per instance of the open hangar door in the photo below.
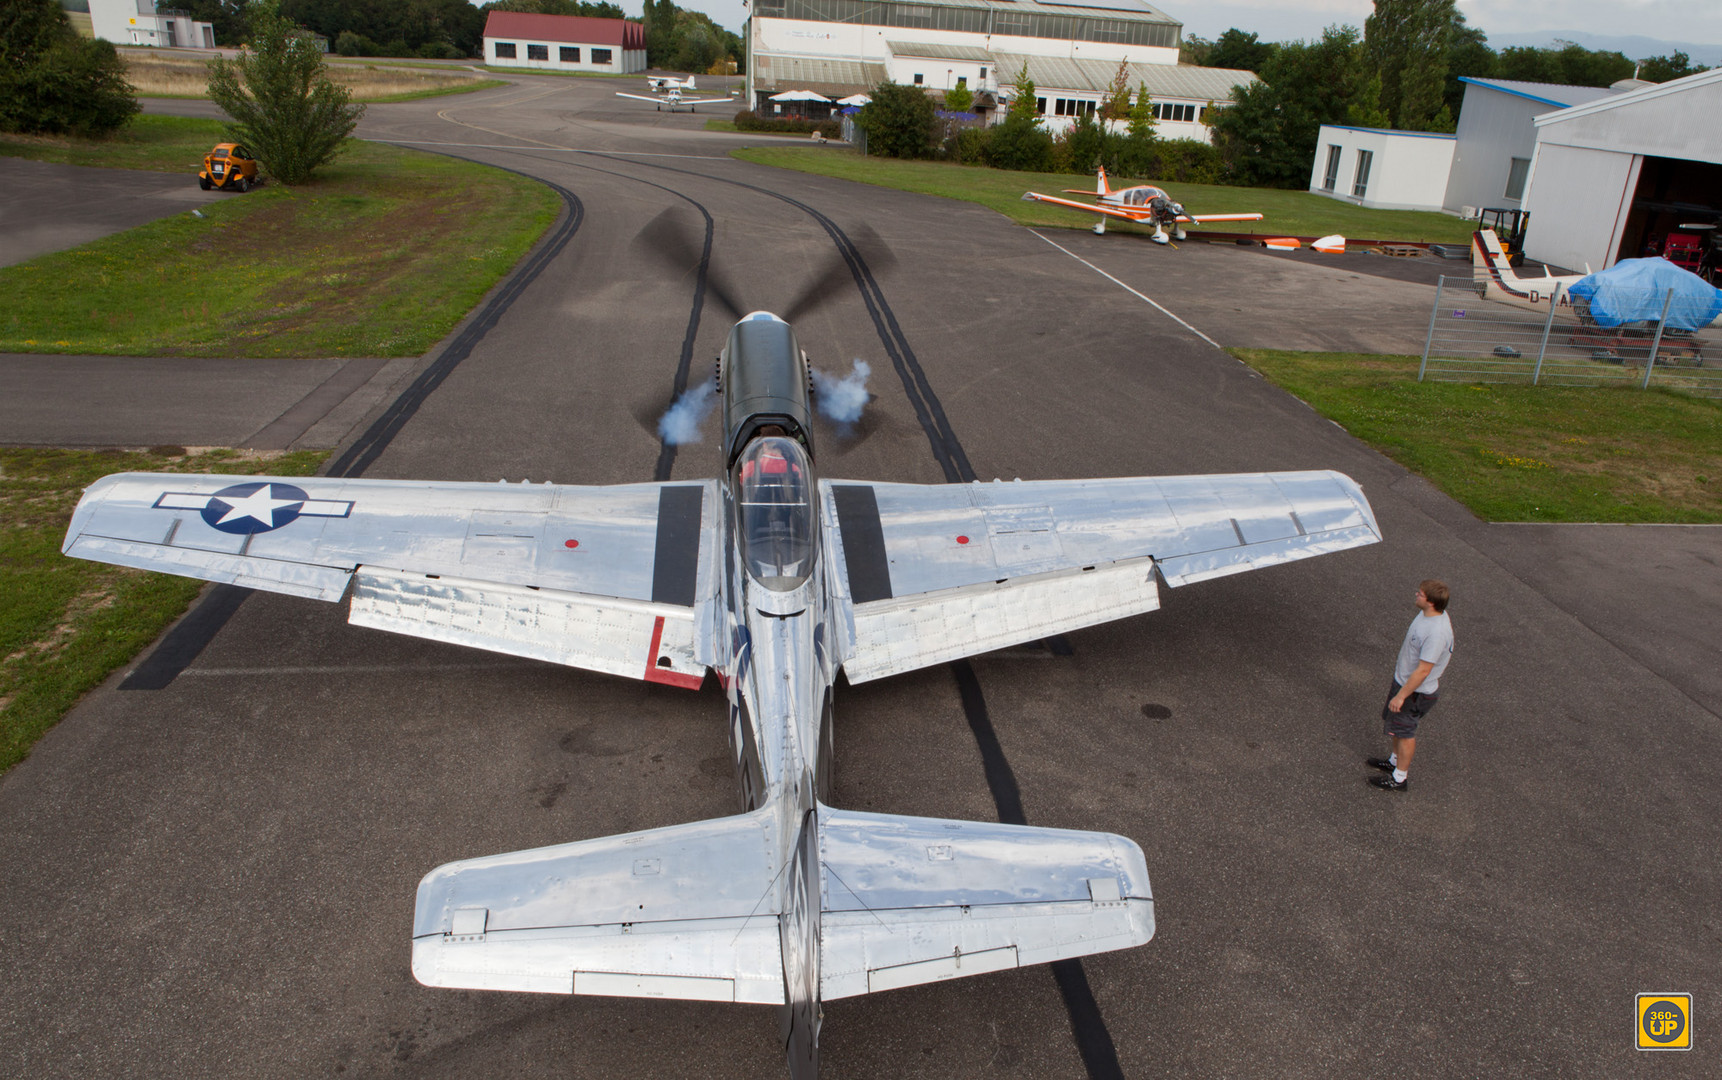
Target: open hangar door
x,y
1671,193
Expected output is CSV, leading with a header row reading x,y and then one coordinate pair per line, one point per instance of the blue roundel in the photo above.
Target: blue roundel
x,y
254,507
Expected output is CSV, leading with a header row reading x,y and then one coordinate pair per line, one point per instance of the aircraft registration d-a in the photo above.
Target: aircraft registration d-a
x,y
1143,203
775,581
672,100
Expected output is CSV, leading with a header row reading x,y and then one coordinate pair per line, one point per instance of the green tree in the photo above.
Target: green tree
x,y
1468,56
1020,142
1571,64
1142,121
959,98
1268,135
1661,69
1240,51
1117,103
283,104
54,81
898,121
1407,44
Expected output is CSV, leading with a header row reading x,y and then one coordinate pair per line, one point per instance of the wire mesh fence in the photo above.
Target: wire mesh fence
x,y
1473,338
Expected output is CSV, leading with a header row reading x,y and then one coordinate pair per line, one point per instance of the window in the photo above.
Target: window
x,y
1073,107
1179,113
962,82
1040,106
1516,175
983,73
1331,176
537,52
1360,186
917,78
600,56
569,55
774,502
505,50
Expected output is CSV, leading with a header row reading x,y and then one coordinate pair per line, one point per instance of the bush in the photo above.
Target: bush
x,y
748,120
284,105
899,122
53,81
351,44
1085,142
1187,161
439,50
970,147
1017,145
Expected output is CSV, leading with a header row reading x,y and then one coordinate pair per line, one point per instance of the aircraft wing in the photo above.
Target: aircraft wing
x,y
941,571
621,579
1095,208
642,97
687,911
909,900
704,100
1203,219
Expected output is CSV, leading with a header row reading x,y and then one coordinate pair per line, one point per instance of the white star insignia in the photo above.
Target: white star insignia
x,y
257,505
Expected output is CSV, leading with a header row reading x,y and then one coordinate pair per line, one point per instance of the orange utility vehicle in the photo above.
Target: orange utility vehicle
x,y
229,165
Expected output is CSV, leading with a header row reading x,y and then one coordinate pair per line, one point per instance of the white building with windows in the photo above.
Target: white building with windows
x,y
1382,169
1072,52
563,42
141,22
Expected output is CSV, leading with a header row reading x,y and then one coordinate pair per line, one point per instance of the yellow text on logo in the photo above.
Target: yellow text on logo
x,y
1664,1022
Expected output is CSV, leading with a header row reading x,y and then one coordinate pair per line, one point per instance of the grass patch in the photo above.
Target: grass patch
x,y
1284,213
1522,453
67,624
172,76
151,143
379,255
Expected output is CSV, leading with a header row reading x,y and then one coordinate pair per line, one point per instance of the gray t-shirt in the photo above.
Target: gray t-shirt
x,y
1429,638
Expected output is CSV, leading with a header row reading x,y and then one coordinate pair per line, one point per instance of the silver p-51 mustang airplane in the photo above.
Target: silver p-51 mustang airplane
x,y
777,581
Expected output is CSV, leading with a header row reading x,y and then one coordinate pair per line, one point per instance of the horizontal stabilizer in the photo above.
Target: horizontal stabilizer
x,y
910,900
687,911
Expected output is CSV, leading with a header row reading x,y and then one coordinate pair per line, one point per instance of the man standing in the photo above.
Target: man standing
x,y
1423,657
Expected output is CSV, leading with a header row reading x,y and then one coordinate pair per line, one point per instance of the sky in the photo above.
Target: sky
x,y
1696,21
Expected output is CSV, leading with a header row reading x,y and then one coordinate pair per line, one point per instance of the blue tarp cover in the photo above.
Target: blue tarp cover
x,y
1634,290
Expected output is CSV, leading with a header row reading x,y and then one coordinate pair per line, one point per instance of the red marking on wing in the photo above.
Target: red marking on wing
x,y
664,675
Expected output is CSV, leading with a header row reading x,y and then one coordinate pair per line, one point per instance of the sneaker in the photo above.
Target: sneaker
x,y
1391,784
1380,763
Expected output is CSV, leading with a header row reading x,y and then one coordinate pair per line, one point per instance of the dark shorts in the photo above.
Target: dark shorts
x,y
1404,722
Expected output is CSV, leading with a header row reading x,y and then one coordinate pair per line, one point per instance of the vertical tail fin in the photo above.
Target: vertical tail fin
x,y
1100,187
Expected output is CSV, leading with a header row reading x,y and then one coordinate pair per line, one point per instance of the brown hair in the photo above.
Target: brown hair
x,y
1436,593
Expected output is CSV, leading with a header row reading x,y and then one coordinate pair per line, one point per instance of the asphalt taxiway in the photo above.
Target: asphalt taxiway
x,y
215,878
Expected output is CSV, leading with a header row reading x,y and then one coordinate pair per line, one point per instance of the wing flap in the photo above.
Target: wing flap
x,y
640,640
894,636
681,912
913,900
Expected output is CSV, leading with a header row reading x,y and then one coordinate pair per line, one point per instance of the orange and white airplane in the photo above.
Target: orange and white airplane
x,y
1496,279
1143,203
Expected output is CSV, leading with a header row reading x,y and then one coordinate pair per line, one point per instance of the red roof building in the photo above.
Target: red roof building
x,y
563,42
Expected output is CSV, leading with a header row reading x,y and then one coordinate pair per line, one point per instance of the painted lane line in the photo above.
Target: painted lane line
x,y
1133,292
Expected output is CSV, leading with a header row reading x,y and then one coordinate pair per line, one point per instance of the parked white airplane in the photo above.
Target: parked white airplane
x,y
673,100
667,82
1496,279
1143,203
778,582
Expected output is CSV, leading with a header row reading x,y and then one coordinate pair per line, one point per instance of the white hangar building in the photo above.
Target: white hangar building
x,y
1613,177
141,22
1072,52
563,42
1484,164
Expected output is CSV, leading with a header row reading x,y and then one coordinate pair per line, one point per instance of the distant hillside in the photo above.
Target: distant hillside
x,y
1633,46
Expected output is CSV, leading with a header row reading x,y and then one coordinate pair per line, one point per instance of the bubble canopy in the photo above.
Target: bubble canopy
x,y
774,509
